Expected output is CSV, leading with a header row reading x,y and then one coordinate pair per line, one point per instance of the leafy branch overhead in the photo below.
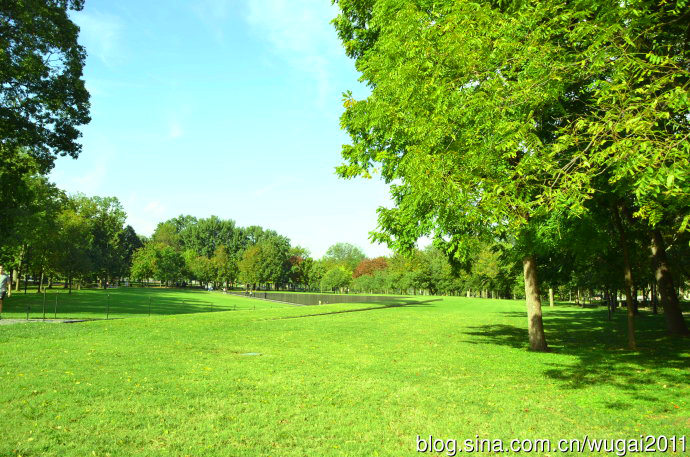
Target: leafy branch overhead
x,y
43,99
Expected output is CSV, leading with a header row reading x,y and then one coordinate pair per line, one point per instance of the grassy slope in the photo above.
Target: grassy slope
x,y
360,383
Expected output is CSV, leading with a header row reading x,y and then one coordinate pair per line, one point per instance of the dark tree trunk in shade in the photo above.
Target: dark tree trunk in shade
x,y
675,323
535,325
627,272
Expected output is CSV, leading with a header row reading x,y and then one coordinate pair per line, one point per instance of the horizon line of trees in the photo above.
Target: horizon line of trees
x,y
79,239
51,236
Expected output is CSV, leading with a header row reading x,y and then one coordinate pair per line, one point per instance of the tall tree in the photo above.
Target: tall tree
x,y
344,254
266,262
129,242
489,115
452,123
106,218
43,99
71,253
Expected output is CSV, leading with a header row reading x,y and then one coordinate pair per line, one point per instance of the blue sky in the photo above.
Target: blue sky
x,y
225,107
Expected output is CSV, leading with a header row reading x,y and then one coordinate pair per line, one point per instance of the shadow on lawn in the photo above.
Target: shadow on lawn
x,y
385,305
600,348
121,302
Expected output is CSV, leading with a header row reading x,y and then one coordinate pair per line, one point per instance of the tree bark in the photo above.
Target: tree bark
x,y
551,297
675,323
535,324
627,272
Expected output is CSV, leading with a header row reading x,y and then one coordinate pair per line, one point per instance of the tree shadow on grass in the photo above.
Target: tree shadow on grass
x,y
116,302
599,346
385,305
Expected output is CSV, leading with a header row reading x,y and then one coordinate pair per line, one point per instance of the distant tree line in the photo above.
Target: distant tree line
x,y
47,235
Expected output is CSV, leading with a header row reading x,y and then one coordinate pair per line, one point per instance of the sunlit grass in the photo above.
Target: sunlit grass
x,y
333,380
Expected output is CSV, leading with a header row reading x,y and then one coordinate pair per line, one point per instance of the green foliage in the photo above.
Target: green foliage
x,y
250,266
144,262
337,278
42,92
200,267
158,261
266,262
343,254
72,245
106,218
485,116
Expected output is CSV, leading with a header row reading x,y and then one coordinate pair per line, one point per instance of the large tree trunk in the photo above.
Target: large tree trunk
x,y
627,271
669,300
535,325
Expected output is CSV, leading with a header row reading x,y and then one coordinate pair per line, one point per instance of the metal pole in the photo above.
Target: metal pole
x,y
107,307
44,304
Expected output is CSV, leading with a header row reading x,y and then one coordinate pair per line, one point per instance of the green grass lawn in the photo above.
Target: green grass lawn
x,y
332,380
123,302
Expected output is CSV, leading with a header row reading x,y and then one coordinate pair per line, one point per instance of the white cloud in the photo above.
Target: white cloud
x,y
101,34
301,32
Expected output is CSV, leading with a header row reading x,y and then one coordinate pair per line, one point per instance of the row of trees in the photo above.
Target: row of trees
x,y
586,268
49,235
561,128
215,251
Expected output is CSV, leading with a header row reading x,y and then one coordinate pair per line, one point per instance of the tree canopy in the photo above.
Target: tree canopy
x,y
489,119
43,99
